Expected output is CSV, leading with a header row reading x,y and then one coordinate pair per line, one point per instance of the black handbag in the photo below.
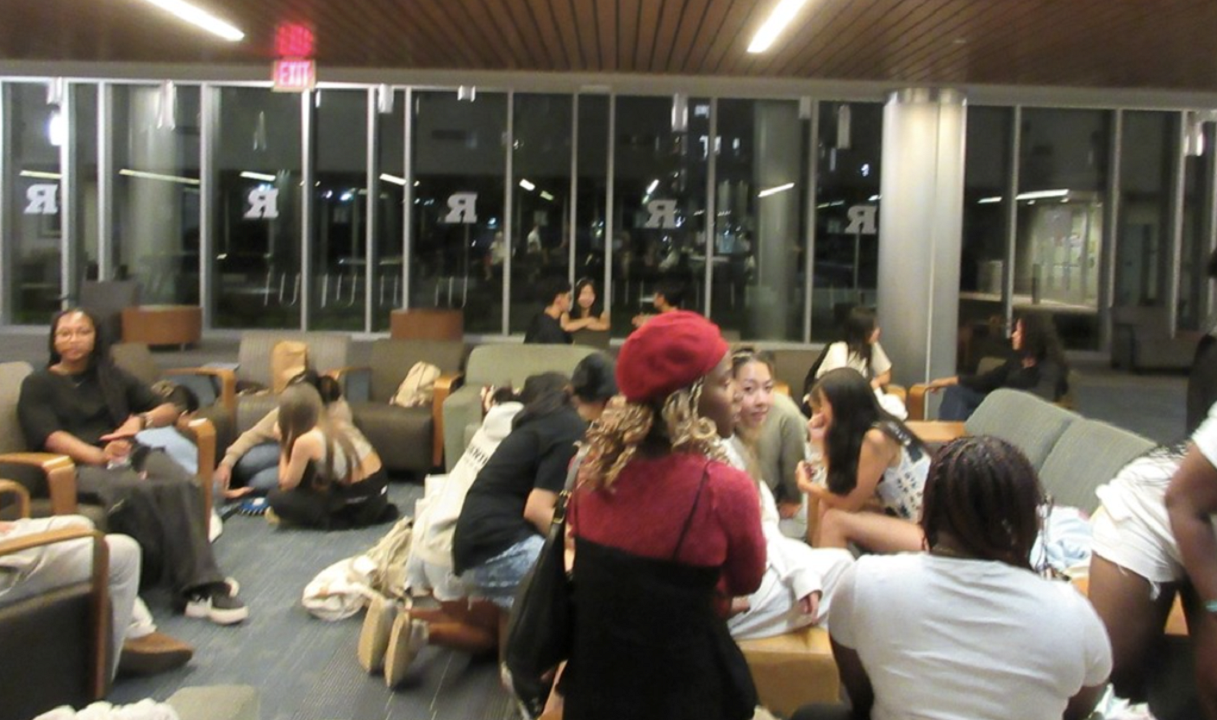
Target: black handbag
x,y
542,618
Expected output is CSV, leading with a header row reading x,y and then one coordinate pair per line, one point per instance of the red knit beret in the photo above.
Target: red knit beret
x,y
670,351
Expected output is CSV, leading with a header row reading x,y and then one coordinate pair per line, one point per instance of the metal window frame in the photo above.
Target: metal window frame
x,y
508,211
308,175
6,245
105,181
1178,188
1011,207
209,112
1111,218
372,209
812,214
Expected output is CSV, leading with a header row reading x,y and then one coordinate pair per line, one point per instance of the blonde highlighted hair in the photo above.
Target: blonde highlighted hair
x,y
614,439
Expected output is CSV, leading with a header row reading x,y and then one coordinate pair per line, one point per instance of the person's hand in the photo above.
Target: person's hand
x,y
7,526
739,605
810,605
127,430
222,476
804,476
788,509
116,450
936,385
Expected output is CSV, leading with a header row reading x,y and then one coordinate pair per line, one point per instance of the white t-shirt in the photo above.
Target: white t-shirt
x,y
839,356
1205,437
944,638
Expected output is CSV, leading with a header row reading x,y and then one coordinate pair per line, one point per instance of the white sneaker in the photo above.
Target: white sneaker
x,y
408,638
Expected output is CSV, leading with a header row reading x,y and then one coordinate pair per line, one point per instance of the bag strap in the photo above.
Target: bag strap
x,y
692,511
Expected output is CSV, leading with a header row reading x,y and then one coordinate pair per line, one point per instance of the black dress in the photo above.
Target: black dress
x,y
649,644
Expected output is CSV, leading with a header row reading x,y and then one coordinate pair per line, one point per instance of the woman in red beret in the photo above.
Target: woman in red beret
x,y
665,533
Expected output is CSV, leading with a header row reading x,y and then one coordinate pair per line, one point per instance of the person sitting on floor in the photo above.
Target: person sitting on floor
x,y
136,647
500,529
328,477
546,326
250,466
458,623
874,468
84,406
1038,365
967,629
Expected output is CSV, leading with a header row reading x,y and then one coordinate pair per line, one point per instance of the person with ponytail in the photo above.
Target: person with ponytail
x,y
666,532
967,629
84,406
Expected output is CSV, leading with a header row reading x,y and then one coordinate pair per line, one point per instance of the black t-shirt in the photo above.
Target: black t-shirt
x,y
534,456
545,329
50,402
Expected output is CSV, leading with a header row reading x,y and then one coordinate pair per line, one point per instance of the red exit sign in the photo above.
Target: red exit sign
x,y
294,75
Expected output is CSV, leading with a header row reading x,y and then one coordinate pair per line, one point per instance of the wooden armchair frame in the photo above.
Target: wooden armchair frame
x,y
99,604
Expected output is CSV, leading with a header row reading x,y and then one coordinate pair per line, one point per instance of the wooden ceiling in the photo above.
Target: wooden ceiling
x,y
1163,44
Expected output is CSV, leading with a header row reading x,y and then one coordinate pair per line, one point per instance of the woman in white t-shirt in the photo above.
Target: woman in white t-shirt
x,y
859,350
967,629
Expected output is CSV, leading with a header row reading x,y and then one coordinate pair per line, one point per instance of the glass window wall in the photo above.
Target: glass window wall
x,y
84,206
659,207
258,209
1062,184
338,248
760,236
156,131
591,195
1143,231
541,132
1196,245
460,239
35,131
847,189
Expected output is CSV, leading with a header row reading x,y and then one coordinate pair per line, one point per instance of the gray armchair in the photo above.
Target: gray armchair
x,y
500,364
106,300
410,439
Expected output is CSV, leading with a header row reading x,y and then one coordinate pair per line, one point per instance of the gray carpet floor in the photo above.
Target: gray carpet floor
x,y
305,667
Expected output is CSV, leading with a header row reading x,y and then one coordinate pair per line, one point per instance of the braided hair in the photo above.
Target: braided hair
x,y
983,492
672,423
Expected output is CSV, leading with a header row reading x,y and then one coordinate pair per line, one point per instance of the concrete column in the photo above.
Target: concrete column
x,y
920,227
776,164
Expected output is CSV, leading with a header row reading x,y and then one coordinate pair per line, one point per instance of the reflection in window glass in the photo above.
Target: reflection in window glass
x,y
659,197
590,213
1062,179
339,245
847,252
390,194
1197,229
156,191
759,233
1143,231
983,247
459,239
37,131
541,193
258,167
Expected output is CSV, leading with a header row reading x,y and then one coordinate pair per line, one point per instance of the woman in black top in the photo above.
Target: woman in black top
x,y
83,406
1037,365
503,521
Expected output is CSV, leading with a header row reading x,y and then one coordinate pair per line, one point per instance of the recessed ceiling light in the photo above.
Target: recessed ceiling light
x,y
200,18
775,24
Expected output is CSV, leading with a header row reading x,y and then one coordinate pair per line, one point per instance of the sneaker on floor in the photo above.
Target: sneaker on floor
x,y
375,634
217,603
153,653
409,636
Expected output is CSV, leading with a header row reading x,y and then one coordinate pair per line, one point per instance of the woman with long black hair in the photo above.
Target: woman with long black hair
x,y
84,406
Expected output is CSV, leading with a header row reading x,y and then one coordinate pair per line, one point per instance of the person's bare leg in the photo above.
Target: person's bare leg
x,y
875,532
1202,630
1134,621
471,626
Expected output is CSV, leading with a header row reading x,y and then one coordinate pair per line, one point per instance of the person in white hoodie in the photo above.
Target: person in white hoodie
x,y
796,589
429,565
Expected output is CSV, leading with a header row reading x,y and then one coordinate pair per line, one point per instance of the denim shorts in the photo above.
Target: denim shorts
x,y
496,579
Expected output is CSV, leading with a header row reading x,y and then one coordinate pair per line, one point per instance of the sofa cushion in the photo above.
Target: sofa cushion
x,y
504,363
1088,454
1022,419
401,436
